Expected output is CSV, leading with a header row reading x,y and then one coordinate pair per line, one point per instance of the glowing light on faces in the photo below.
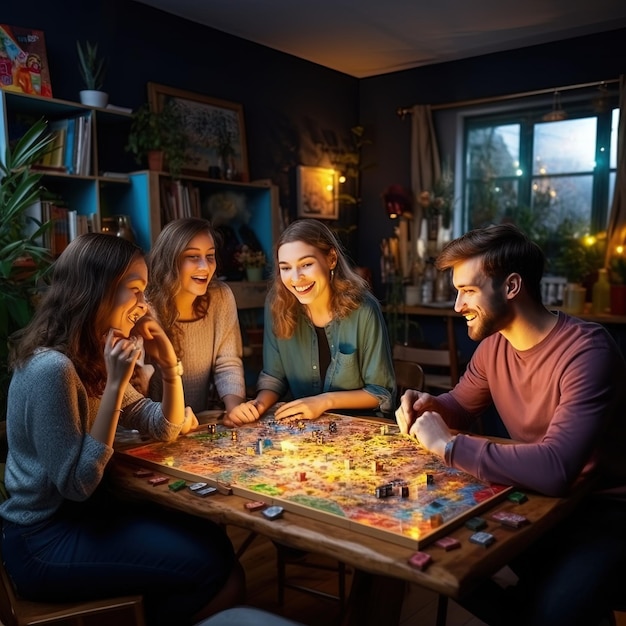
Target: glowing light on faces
x,y
129,304
485,310
197,264
305,271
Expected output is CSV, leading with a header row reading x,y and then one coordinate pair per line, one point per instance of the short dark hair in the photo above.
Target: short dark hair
x,y
504,249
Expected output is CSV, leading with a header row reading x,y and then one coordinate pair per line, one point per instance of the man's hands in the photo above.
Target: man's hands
x,y
417,417
309,408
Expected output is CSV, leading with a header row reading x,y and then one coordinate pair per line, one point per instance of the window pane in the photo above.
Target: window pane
x,y
613,156
564,198
564,147
493,151
490,202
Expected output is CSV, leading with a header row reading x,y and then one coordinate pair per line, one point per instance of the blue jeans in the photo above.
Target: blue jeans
x,y
107,547
569,577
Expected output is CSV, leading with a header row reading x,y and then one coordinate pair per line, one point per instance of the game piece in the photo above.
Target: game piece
x,y
430,479
273,512
143,473
158,480
233,435
384,491
196,486
513,520
448,543
518,497
205,491
212,429
332,427
301,476
482,539
225,490
476,523
436,520
177,485
377,466
348,464
420,560
255,505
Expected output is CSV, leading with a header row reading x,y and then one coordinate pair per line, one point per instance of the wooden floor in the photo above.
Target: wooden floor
x,y
259,562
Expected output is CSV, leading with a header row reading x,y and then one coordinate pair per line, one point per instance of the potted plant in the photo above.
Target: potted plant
x,y
23,260
158,137
253,261
92,70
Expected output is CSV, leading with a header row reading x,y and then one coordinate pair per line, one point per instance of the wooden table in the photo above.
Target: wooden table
x,y
380,566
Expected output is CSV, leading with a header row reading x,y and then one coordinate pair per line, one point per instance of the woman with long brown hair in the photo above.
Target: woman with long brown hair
x,y
325,341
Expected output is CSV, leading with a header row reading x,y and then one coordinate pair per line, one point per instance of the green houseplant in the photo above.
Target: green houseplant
x,y
157,132
23,261
92,70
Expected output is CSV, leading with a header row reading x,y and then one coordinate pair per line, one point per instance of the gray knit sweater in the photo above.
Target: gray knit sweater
x,y
52,457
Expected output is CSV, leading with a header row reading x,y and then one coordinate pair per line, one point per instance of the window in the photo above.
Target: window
x,y
550,172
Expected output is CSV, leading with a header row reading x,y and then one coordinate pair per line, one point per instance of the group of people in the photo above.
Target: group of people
x,y
121,339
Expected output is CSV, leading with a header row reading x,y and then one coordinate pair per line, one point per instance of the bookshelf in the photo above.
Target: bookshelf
x,y
106,183
76,184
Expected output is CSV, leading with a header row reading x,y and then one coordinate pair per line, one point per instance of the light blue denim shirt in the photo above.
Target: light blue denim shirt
x,y
359,350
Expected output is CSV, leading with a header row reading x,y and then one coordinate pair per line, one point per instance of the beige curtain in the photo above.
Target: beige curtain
x,y
425,164
616,232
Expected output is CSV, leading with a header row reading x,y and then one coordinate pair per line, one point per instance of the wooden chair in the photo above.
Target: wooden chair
x,y
286,556
434,362
15,611
409,375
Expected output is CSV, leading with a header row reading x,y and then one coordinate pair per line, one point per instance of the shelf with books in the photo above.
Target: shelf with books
x,y
235,208
86,141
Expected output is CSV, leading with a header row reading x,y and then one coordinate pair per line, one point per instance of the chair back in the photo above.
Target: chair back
x,y
441,370
409,375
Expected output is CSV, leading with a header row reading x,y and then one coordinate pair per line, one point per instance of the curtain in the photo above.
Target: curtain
x,y
616,232
425,164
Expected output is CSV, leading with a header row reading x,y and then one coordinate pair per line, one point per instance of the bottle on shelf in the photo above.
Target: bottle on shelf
x,y
601,293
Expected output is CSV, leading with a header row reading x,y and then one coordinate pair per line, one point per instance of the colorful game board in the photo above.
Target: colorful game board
x,y
347,471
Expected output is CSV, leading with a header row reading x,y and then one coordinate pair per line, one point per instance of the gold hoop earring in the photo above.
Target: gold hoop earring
x,y
332,275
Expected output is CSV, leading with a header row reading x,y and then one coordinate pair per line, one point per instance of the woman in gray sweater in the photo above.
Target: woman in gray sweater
x,y
64,536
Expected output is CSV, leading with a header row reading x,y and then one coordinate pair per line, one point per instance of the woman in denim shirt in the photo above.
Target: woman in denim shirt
x,y
325,339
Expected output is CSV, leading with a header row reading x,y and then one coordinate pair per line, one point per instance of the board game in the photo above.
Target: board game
x,y
348,471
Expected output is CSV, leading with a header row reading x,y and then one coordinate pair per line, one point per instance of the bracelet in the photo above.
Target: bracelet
x,y
258,404
447,452
173,370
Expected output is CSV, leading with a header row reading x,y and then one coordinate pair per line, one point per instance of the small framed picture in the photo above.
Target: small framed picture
x,y
318,195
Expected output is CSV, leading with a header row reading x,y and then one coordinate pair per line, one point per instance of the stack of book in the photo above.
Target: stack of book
x,y
179,199
67,224
71,146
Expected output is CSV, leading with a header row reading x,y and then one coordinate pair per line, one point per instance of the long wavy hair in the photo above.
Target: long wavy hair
x,y
347,287
164,261
72,315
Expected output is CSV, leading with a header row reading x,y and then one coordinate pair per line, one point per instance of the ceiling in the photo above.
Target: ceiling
x,y
365,38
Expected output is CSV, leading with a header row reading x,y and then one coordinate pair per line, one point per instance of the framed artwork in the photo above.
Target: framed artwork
x,y
317,192
215,132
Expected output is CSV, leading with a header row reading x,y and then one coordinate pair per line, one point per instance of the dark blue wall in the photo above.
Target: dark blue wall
x,y
291,106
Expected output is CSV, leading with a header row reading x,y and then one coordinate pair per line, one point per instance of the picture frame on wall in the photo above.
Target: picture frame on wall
x,y
214,129
317,192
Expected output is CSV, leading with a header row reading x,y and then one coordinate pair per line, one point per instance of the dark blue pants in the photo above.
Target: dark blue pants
x,y
106,547
572,576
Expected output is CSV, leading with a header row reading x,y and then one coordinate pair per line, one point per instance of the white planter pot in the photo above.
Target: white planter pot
x,y
94,98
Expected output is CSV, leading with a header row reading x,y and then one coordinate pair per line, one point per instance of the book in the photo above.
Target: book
x,y
24,65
